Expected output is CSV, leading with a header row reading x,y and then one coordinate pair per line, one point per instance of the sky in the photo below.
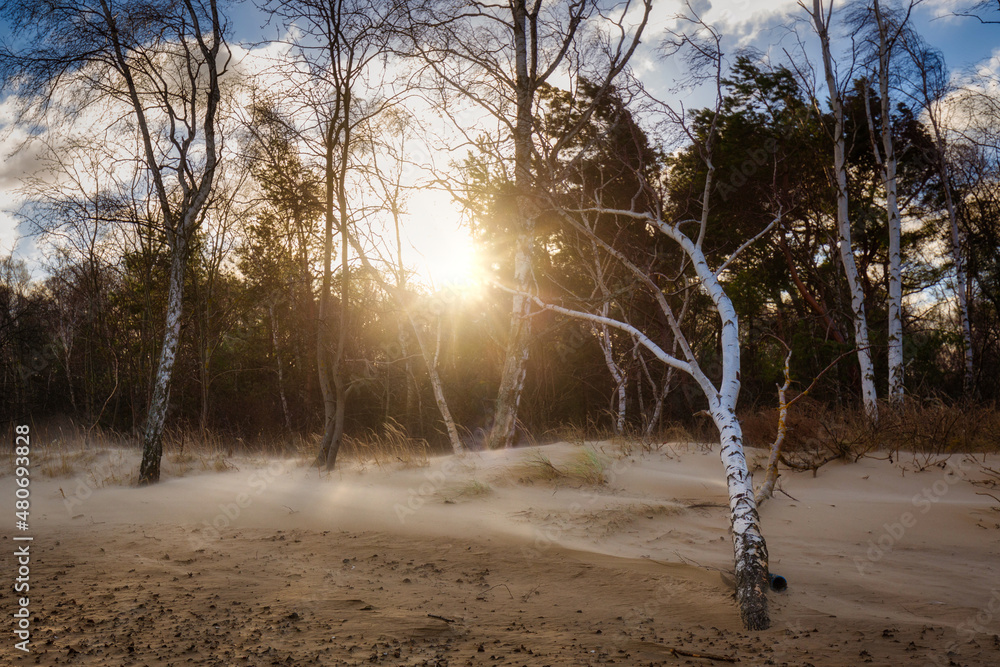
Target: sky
x,y
439,248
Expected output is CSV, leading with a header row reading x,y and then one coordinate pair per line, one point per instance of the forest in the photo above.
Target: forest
x,y
803,240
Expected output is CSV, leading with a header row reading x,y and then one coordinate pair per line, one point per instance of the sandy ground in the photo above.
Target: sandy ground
x,y
484,561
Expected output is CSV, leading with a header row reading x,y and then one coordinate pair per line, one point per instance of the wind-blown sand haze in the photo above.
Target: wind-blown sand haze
x,y
495,558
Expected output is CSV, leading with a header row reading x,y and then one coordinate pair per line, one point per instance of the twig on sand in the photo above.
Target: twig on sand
x,y
707,656
699,506
442,618
483,594
990,495
788,494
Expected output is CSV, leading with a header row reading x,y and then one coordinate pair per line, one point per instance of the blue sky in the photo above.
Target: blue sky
x,y
767,27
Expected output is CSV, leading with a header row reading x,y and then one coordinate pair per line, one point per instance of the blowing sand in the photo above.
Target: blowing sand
x,y
499,558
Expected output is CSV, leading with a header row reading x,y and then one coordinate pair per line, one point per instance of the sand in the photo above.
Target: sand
x,y
483,560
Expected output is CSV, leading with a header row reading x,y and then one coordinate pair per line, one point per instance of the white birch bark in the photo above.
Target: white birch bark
x,y
437,386
749,547
156,417
281,369
821,20
603,337
889,166
180,220
621,390
516,357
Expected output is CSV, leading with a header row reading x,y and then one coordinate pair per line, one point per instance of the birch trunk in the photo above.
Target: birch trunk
x,y
281,369
323,344
516,353
180,221
604,340
868,394
339,375
889,167
437,386
961,281
654,420
152,445
749,547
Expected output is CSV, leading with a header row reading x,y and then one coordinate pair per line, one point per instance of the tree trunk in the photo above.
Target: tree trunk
x,y
749,548
868,394
323,346
152,444
437,385
516,354
281,370
889,167
654,420
604,340
335,398
771,471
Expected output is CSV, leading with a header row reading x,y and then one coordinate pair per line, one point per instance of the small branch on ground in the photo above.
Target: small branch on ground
x,y
706,656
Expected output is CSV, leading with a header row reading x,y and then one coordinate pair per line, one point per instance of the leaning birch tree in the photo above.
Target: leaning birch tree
x,y
159,64
495,57
582,210
750,550
821,16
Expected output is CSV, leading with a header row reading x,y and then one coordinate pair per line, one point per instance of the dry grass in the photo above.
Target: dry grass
x,y
389,446
927,429
467,491
99,458
631,441
587,467
66,450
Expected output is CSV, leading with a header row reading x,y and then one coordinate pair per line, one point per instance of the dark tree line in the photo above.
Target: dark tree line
x,y
263,262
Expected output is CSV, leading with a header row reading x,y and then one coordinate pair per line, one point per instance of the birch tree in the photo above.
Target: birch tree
x,y
162,62
390,180
886,29
929,92
821,16
750,551
496,57
889,30
582,210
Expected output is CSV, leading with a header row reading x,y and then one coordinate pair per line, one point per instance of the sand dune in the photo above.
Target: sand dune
x,y
495,558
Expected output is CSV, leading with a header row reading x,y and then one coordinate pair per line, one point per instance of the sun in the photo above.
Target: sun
x,y
441,251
